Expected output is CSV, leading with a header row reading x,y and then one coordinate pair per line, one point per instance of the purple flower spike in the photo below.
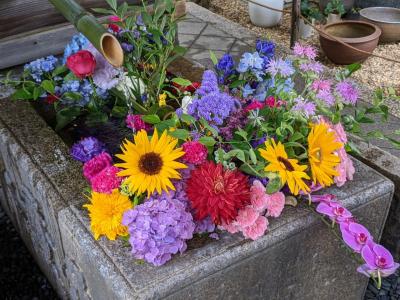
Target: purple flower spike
x,y
355,235
378,260
334,211
86,149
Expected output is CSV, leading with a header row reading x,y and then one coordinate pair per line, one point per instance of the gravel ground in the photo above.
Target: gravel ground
x,y
20,277
375,72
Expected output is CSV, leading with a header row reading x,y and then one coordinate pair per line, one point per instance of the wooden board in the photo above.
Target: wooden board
x,y
49,40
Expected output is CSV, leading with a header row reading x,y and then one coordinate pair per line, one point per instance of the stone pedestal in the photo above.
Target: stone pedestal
x,y
298,259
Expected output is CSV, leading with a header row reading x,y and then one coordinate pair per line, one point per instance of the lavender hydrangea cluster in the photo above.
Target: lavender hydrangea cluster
x,y
210,103
77,43
38,68
158,229
83,88
87,148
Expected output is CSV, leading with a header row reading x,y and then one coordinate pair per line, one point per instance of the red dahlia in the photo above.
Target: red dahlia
x,y
215,192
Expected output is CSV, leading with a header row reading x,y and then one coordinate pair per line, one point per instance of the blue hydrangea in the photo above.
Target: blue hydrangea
x,y
78,42
38,68
84,88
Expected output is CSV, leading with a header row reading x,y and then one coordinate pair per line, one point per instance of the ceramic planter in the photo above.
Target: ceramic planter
x,y
388,20
264,17
332,18
361,35
306,30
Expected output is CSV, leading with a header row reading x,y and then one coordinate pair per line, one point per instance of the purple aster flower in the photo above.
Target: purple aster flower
x,y
335,211
304,107
86,149
355,235
307,51
348,91
280,67
315,67
250,61
159,228
326,97
127,47
378,261
209,83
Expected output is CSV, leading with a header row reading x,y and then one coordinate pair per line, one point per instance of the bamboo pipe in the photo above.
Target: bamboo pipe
x,y
86,23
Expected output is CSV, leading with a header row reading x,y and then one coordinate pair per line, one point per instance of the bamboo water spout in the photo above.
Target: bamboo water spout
x,y
86,23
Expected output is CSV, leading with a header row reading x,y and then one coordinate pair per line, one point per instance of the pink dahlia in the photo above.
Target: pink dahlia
x,y
106,180
257,229
195,152
218,193
97,164
136,123
275,204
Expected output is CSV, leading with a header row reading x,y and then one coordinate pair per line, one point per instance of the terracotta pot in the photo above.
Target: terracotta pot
x,y
359,34
388,20
348,4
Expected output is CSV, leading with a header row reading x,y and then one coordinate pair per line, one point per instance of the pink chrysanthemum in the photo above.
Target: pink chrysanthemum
x,y
256,230
107,180
195,152
97,164
275,204
258,196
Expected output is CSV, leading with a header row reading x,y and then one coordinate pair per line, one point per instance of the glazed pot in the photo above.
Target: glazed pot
x,y
348,4
264,17
388,20
359,34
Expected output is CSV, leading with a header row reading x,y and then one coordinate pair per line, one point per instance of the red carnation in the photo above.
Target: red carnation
x,y
82,63
190,88
219,193
51,99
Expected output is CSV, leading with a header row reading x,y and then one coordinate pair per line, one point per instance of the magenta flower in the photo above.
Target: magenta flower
x,y
378,261
195,152
321,85
107,180
355,235
322,198
136,123
348,91
97,164
334,210
315,67
327,97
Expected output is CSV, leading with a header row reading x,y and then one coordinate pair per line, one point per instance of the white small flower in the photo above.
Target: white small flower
x,y
185,103
130,85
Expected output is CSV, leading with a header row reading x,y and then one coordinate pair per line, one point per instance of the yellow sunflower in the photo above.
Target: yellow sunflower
x,y
288,169
150,164
323,160
105,211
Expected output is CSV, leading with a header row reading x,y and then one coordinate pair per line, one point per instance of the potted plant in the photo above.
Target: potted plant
x,y
334,10
265,17
348,4
311,12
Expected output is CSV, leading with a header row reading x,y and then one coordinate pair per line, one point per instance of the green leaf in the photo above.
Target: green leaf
x,y
103,11
181,134
181,81
274,185
119,111
164,125
239,154
37,91
112,4
188,119
253,156
237,83
206,125
214,59
21,95
352,68
296,136
59,70
70,76
207,141
352,148
66,116
151,119
96,118
48,86
72,96
242,133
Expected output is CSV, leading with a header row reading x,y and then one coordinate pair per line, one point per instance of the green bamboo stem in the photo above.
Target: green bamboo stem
x,y
86,23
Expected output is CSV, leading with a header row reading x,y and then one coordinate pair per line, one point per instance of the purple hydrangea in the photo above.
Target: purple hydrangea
x,y
348,91
86,149
280,67
158,229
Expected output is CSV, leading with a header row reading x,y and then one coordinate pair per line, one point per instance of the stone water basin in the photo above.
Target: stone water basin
x,y
388,20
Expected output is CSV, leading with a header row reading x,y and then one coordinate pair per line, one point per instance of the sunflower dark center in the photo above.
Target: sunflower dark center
x,y
286,163
150,163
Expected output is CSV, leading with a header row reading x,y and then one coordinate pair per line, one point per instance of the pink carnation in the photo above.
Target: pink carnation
x,y
254,105
345,168
275,204
136,123
195,152
247,216
231,227
97,164
256,230
258,197
107,180
340,133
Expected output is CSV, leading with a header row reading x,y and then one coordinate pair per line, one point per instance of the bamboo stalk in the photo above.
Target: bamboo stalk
x,y
86,23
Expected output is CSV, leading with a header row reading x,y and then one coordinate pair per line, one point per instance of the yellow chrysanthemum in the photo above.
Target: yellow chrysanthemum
x,y
105,211
323,160
150,164
288,169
